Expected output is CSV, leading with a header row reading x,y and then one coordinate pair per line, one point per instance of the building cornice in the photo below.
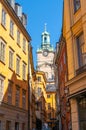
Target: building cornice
x,y
16,19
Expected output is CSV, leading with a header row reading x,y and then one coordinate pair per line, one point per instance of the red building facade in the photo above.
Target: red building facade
x,y
61,62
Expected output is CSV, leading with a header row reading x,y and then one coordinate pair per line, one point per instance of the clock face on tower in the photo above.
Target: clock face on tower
x,y
45,52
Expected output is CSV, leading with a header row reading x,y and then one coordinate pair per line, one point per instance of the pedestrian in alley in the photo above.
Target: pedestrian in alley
x,y
45,127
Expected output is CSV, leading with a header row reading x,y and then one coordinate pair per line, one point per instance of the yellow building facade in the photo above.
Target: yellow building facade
x,y
51,108
14,42
45,101
32,99
40,94
74,32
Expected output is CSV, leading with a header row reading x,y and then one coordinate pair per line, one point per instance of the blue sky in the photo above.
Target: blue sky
x,y
40,12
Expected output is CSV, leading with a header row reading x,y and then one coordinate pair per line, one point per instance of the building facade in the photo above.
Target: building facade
x,y
40,94
31,98
63,108
14,42
74,32
45,56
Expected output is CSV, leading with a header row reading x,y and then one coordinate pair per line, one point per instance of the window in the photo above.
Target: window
x,y
24,71
11,28
64,58
45,39
0,125
3,18
39,78
11,58
1,87
23,126
2,50
10,85
17,95
82,112
8,125
80,47
24,99
18,37
49,105
49,115
16,126
18,65
24,45
48,96
76,5
39,91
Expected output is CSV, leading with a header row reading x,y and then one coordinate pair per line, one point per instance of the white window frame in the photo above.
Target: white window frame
x,y
18,65
24,44
24,71
11,53
18,37
3,20
11,28
2,50
1,87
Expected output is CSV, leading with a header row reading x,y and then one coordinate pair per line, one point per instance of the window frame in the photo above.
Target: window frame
x,y
24,71
18,65
24,99
75,6
11,28
24,45
17,96
10,91
3,18
79,49
2,50
11,54
1,87
18,37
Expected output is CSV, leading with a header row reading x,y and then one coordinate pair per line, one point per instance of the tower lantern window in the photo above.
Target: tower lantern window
x,y
45,39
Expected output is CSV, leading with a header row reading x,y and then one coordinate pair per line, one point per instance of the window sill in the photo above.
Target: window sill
x,y
77,11
2,62
11,69
18,75
18,45
11,36
24,52
4,26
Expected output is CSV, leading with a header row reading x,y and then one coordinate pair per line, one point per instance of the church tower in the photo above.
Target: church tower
x,y
45,56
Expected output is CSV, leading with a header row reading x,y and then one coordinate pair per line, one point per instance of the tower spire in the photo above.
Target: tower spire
x,y
45,28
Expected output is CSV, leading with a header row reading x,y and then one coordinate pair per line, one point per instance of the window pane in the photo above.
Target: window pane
x,y
80,47
3,18
11,59
76,5
24,99
10,85
11,27
2,50
17,96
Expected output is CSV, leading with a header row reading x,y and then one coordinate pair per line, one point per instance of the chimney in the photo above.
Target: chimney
x,y
12,3
24,19
18,10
